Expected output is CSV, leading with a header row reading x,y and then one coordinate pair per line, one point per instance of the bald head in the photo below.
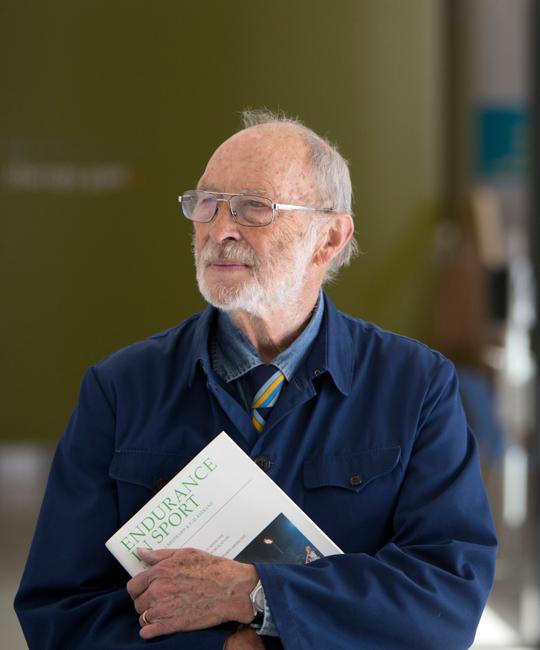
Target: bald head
x,y
330,169
271,159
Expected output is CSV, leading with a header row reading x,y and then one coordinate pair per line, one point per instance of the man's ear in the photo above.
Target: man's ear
x,y
337,235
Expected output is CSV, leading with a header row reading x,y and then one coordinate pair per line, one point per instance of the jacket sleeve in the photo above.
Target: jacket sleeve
x,y
72,593
427,586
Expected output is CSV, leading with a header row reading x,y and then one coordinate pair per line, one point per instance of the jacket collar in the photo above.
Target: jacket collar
x,y
202,324
331,351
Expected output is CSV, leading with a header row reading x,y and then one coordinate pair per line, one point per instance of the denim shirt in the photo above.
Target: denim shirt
x,y
233,356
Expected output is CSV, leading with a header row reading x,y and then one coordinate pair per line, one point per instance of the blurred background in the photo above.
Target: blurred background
x,y
110,110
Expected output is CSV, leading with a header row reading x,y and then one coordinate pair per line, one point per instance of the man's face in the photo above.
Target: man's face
x,y
257,269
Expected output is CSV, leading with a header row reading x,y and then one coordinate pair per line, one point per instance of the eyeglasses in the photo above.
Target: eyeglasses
x,y
246,209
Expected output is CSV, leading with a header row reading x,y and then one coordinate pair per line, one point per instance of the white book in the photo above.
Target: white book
x,y
223,503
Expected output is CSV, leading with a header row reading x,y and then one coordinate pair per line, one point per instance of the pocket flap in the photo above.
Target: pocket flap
x,y
352,471
150,469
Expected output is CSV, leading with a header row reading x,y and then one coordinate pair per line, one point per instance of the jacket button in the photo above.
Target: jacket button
x,y
263,462
355,480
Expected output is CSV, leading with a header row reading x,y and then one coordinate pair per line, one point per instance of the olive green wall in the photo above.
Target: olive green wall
x,y
110,109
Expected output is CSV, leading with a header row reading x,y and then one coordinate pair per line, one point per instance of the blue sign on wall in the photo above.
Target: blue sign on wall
x,y
501,142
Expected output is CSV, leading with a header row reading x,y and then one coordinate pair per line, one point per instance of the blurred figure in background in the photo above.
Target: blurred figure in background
x,y
469,315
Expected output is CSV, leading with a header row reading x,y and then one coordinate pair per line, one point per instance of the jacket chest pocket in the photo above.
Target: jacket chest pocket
x,y
352,496
139,474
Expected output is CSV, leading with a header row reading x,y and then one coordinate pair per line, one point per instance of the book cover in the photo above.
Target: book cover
x,y
223,503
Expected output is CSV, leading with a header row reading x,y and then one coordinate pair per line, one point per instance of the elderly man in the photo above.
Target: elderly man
x,y
365,433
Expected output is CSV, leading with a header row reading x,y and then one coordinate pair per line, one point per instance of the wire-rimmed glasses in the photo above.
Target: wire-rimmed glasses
x,y
246,209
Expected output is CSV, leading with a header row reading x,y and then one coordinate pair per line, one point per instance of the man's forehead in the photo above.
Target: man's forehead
x,y
266,141
259,157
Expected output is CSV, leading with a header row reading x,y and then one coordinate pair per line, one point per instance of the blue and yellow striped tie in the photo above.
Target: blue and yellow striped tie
x,y
267,382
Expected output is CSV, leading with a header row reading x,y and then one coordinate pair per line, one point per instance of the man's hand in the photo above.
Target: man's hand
x,y
246,639
187,589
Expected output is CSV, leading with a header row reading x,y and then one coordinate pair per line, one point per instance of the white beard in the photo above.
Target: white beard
x,y
276,283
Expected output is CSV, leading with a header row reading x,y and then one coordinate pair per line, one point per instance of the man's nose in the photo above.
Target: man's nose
x,y
223,226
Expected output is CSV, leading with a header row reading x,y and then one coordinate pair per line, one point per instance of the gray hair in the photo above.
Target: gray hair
x,y
330,169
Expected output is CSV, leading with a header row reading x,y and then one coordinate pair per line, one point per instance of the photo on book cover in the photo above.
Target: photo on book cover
x,y
280,541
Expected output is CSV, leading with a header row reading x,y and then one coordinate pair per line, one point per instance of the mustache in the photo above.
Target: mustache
x,y
228,251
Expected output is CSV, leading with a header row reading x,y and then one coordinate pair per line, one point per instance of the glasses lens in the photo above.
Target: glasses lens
x,y
199,206
252,210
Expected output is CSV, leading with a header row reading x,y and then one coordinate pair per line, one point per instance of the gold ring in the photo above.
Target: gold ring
x,y
146,621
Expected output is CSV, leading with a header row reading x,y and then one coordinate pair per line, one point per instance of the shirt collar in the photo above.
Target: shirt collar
x,y
331,351
232,355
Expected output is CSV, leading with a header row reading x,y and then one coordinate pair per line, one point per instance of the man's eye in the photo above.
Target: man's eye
x,y
253,203
206,204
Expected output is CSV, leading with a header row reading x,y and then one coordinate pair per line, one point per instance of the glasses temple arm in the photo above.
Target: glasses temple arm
x,y
303,208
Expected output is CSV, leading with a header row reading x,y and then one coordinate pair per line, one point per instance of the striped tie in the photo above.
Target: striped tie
x,y
267,382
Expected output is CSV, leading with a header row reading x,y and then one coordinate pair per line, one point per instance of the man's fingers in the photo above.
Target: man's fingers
x,y
141,604
151,618
153,557
185,589
159,594
150,630
138,584
156,627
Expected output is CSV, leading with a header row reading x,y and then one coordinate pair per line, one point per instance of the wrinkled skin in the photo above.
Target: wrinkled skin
x,y
188,589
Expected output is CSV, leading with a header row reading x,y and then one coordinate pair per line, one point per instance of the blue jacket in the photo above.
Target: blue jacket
x,y
369,438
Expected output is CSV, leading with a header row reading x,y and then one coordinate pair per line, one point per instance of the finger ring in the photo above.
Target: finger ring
x,y
146,621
